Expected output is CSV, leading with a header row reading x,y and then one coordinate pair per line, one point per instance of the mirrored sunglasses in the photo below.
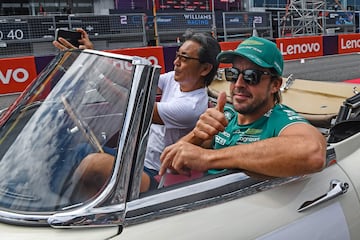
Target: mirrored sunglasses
x,y
250,76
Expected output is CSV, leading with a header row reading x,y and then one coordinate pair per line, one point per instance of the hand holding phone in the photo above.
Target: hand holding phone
x,y
72,37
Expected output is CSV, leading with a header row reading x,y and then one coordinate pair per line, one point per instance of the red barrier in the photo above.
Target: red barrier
x,y
229,45
300,47
349,43
153,54
225,46
16,74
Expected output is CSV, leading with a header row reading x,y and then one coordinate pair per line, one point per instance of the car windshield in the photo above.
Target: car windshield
x,y
74,108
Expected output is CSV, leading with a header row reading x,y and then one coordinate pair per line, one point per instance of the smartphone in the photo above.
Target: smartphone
x,y
72,37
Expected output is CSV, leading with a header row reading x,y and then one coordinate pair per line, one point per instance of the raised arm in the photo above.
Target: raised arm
x,y
85,42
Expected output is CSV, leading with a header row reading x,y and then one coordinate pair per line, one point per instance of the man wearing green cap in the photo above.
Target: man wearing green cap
x,y
256,132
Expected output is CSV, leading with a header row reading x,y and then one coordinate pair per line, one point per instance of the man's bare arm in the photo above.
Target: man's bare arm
x,y
300,149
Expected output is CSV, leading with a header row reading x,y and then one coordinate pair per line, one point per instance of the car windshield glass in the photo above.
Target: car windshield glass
x,y
73,108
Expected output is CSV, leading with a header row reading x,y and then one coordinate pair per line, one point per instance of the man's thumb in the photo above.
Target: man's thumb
x,y
221,100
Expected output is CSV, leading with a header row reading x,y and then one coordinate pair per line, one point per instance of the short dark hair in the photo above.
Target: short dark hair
x,y
275,76
208,51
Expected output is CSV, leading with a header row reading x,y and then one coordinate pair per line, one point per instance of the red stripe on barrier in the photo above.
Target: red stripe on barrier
x,y
16,74
357,80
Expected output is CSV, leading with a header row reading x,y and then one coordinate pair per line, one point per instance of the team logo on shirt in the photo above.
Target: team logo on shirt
x,y
268,113
293,115
253,131
247,139
220,140
226,134
228,115
249,131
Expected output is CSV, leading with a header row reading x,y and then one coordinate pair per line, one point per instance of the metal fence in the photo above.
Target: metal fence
x,y
316,22
226,27
33,35
239,25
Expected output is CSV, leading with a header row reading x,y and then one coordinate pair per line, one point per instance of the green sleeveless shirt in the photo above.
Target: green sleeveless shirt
x,y
269,125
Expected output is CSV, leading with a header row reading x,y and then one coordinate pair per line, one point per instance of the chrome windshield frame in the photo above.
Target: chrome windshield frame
x,y
115,193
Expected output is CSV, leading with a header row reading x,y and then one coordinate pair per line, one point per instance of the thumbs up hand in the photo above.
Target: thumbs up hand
x,y
221,100
183,156
212,121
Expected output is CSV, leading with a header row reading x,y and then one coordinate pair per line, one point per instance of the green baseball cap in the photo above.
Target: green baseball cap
x,y
260,51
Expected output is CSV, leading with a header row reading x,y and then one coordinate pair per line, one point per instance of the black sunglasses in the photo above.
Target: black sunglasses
x,y
250,76
184,58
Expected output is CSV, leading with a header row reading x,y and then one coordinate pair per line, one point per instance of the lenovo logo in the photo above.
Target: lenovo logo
x,y
299,48
19,75
349,44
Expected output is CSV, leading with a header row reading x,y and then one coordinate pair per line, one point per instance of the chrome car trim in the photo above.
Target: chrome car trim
x,y
198,195
89,217
23,219
95,211
289,81
109,54
337,188
186,191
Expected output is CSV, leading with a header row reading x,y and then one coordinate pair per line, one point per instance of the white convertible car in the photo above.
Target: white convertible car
x,y
89,101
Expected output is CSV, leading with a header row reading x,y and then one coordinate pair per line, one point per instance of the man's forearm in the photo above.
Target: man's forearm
x,y
279,157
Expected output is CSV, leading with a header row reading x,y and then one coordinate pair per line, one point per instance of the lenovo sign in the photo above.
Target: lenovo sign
x,y
302,47
16,74
154,54
348,43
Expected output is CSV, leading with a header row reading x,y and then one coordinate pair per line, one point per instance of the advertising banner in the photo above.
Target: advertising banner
x,y
348,43
127,23
300,47
14,29
247,19
16,74
153,54
171,22
225,46
26,27
229,45
339,18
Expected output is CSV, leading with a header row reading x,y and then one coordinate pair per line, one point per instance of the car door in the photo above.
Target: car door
x,y
246,206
